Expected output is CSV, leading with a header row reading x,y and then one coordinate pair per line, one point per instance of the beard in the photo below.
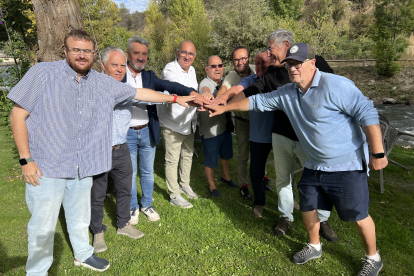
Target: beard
x,y
136,67
80,69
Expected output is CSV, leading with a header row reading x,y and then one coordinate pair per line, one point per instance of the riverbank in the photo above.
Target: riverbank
x,y
378,88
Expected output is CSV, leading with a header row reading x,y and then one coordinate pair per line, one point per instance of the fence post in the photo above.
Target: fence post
x,y
363,62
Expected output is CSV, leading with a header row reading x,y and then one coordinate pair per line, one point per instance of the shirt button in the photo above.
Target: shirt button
x,y
80,112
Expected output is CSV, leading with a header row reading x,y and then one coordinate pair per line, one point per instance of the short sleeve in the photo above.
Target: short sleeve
x,y
122,92
30,88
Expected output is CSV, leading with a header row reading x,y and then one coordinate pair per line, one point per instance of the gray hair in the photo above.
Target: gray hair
x,y
208,60
179,46
281,35
260,51
137,39
108,50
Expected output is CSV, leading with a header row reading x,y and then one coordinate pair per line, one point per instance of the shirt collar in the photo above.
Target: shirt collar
x,y
222,79
72,72
315,81
129,72
180,69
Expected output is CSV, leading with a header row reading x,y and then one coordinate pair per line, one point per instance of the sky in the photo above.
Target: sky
x,y
133,5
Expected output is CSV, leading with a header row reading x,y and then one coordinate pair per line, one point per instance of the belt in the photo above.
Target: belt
x,y
116,147
241,119
139,127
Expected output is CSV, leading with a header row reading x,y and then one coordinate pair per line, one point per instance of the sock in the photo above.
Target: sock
x,y
375,257
316,246
244,186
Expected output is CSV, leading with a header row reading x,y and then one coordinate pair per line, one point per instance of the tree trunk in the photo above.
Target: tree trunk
x,y
55,18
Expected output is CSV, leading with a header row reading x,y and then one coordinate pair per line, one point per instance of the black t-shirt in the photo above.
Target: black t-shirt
x,y
272,79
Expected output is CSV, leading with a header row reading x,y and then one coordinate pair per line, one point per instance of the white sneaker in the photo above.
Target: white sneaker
x,y
181,202
151,213
134,216
189,192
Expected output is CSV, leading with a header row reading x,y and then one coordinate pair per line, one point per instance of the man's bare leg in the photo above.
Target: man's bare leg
x,y
366,229
210,177
311,221
225,169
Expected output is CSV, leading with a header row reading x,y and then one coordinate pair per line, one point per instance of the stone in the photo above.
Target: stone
x,y
389,101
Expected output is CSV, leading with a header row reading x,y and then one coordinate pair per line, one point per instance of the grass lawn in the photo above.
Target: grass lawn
x,y
217,236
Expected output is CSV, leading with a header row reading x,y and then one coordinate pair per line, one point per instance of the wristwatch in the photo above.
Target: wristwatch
x,y
25,161
378,155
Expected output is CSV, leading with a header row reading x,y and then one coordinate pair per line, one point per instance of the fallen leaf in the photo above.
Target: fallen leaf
x,y
410,172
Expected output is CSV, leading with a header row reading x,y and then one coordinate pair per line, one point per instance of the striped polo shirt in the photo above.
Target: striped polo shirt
x,y
70,121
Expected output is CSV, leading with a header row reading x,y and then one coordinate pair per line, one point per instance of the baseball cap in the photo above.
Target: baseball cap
x,y
300,52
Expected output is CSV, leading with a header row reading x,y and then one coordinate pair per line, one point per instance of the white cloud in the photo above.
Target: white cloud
x,y
133,5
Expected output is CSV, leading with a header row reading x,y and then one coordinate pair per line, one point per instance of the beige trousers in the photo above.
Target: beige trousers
x,y
179,149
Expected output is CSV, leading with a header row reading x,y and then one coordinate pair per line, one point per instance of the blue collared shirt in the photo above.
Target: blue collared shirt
x,y
70,121
326,119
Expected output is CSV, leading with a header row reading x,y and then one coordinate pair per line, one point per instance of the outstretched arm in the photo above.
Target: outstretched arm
x,y
228,95
148,95
18,118
219,109
374,139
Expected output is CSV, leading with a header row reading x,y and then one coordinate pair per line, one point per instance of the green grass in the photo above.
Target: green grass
x,y
217,236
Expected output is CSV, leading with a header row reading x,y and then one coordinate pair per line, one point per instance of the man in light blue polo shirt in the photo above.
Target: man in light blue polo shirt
x,y
325,111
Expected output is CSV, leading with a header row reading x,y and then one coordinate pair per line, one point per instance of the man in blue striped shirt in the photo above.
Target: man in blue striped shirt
x,y
62,127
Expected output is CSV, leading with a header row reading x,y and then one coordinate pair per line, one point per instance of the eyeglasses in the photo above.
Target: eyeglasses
x,y
184,53
244,59
214,66
77,51
296,65
270,48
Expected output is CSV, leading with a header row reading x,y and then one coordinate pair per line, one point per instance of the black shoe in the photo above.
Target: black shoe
x,y
244,192
266,184
94,263
282,226
326,231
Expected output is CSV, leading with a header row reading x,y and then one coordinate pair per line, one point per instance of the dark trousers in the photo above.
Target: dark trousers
x,y
122,176
258,157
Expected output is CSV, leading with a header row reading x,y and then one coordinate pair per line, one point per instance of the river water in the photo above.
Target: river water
x,y
402,118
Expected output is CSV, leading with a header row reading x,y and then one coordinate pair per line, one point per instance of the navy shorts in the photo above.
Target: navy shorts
x,y
220,145
347,191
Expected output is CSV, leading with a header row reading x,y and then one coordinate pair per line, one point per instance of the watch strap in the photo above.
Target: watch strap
x,y
378,155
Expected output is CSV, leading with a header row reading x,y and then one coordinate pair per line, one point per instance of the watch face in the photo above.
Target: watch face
x,y
23,161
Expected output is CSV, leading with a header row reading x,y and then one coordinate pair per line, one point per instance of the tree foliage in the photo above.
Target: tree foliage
x,y
240,22
184,19
393,21
103,15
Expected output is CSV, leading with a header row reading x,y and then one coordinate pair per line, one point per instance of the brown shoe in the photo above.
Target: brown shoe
x,y
327,232
296,205
258,211
282,226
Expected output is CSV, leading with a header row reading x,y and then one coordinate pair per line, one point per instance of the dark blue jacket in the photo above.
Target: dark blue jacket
x,y
151,81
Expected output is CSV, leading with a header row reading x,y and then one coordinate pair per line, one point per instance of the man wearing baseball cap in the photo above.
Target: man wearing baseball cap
x,y
325,111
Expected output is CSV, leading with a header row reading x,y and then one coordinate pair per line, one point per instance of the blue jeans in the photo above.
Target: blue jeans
x,y
44,203
142,145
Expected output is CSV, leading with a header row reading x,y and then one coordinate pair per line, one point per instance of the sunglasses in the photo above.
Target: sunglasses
x,y
214,66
